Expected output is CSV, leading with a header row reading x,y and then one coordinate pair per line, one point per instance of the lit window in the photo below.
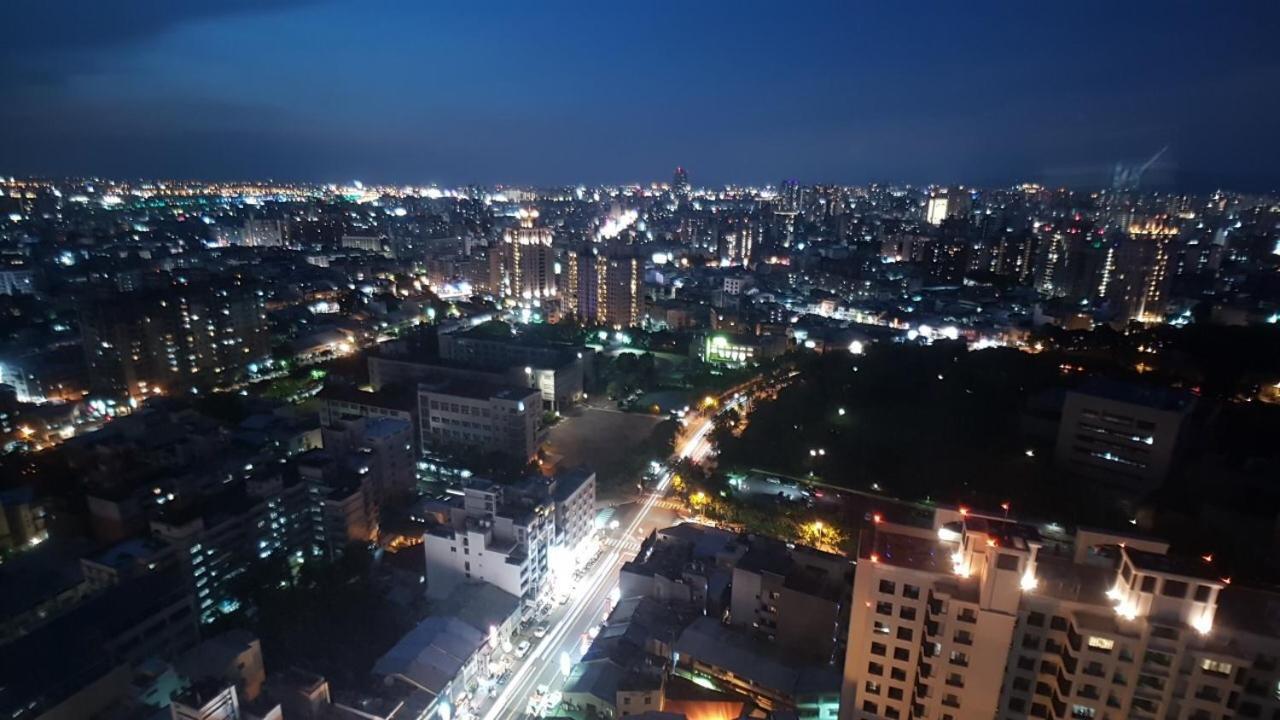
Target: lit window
x,y
1101,643
1215,667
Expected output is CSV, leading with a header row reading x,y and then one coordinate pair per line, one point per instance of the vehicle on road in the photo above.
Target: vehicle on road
x,y
522,649
540,630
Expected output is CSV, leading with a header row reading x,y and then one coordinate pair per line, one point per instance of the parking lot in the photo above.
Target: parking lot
x,y
601,438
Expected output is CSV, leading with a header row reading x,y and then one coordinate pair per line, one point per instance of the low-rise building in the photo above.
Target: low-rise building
x,y
496,419
711,653
793,596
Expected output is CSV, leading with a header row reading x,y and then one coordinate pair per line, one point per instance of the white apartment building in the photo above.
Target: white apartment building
x,y
490,540
980,618
502,419
575,502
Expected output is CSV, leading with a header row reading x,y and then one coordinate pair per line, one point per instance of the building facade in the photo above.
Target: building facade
x,y
495,419
980,617
490,539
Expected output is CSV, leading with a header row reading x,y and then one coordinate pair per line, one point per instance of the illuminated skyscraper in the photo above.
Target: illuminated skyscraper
x,y
680,182
738,236
936,210
605,290
526,265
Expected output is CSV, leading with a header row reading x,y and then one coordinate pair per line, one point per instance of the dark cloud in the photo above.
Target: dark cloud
x,y
44,41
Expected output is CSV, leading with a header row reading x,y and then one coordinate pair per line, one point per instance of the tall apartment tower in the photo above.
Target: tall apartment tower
x,y
1140,281
604,289
977,618
936,208
736,239
527,266
168,340
680,182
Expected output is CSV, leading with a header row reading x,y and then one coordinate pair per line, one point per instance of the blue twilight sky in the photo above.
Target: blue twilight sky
x,y
550,92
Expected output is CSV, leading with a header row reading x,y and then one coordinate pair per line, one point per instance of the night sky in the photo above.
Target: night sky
x,y
543,92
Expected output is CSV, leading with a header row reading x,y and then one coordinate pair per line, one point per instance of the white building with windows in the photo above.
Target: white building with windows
x,y
979,617
489,539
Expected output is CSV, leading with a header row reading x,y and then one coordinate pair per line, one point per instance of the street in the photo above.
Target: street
x,y
588,608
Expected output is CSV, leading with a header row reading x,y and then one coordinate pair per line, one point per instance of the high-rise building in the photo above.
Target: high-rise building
x,y
980,617
254,232
173,339
936,208
525,264
1139,285
680,182
738,235
604,289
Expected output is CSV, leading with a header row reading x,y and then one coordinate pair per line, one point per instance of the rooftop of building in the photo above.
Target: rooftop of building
x,y
709,641
479,605
1006,533
432,654
216,653
61,657
478,391
33,577
707,542
1144,561
386,398
913,552
1158,398
382,428
570,481
126,552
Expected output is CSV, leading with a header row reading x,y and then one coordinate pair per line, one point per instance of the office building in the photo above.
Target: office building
x,y
1141,275
737,237
981,617
486,418
557,376
680,182
1121,435
338,403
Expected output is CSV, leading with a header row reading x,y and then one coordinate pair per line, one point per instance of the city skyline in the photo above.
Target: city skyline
x,y
562,95
646,361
